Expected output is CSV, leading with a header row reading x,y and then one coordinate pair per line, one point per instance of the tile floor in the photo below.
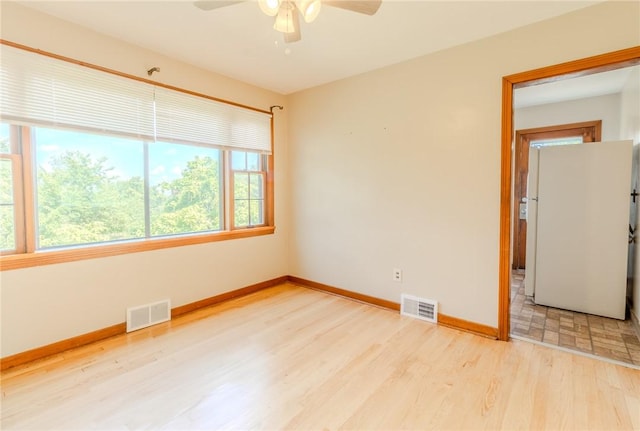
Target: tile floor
x,y
601,336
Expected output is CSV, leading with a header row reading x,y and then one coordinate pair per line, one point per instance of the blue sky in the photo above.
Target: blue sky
x,y
4,130
167,161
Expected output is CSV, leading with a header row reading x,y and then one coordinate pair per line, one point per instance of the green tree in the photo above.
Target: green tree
x,y
81,201
7,218
248,199
190,203
4,145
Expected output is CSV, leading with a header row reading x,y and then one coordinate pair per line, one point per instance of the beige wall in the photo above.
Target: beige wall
x,y
400,167
397,168
605,108
51,303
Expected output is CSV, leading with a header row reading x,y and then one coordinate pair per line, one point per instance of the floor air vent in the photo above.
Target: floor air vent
x,y
424,309
147,315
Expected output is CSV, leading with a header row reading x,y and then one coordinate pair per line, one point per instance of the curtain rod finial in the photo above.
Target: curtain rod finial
x,y
271,108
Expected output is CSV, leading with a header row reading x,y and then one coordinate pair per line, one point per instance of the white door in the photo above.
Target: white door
x,y
582,227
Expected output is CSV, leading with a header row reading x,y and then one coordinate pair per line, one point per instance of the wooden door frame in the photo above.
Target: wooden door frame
x,y
591,131
586,66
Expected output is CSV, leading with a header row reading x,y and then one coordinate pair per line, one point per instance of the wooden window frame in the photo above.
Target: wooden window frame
x,y
16,159
263,160
27,256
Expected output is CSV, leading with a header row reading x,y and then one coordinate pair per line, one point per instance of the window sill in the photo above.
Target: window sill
x,y
50,257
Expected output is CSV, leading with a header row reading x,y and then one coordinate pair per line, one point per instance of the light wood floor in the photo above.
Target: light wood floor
x,y
293,358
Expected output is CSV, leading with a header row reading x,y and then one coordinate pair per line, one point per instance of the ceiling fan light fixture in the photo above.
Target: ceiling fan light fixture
x,y
270,7
309,9
285,22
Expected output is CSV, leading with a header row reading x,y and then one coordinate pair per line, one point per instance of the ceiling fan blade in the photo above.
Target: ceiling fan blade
x,y
367,7
214,4
295,35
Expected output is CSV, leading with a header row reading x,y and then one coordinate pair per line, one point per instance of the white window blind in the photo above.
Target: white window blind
x,y
40,90
181,117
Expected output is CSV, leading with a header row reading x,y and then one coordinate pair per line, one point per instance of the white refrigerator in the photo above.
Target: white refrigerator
x,y
578,226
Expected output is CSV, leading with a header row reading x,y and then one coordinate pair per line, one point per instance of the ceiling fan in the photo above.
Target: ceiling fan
x,y
287,12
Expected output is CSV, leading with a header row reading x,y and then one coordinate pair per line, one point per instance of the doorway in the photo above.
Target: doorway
x,y
610,61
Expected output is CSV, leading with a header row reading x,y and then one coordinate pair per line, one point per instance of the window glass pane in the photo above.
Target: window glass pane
x,y
5,147
559,141
240,185
255,186
241,198
90,188
256,212
253,161
7,213
239,160
248,199
241,213
184,188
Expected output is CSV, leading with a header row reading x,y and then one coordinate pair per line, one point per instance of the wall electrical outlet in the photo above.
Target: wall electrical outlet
x,y
397,275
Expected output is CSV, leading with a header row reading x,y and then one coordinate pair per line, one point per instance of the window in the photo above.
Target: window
x,y
169,168
248,189
9,163
97,188
185,187
92,189
89,188
7,206
537,143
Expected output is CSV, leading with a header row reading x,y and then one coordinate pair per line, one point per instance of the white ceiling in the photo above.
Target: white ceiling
x,y
238,40
598,84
